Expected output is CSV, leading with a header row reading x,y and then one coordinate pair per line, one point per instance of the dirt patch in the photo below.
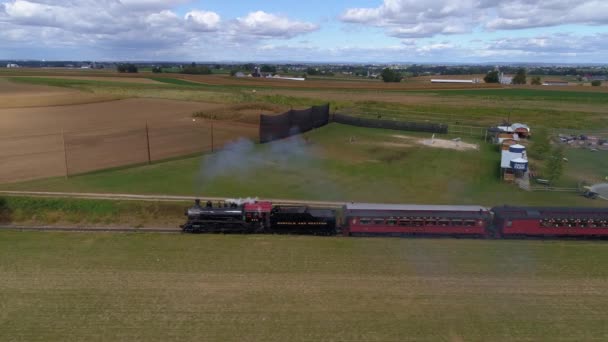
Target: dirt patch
x,y
138,80
450,144
455,144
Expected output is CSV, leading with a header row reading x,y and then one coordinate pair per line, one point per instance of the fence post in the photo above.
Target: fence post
x,y
148,144
211,135
65,154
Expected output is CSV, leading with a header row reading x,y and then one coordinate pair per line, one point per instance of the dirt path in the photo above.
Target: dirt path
x,y
154,198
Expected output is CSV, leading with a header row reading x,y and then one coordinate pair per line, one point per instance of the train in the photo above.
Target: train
x,y
373,219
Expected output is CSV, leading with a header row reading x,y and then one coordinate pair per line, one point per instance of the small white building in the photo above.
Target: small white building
x,y
440,80
555,83
12,65
513,162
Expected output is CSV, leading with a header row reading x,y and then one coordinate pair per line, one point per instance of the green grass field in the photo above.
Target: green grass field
x,y
377,166
579,97
585,164
157,287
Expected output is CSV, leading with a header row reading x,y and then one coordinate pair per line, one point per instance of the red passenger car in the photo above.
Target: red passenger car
x,y
539,221
391,219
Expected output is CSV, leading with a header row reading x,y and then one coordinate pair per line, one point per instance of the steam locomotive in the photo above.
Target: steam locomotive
x,y
258,217
367,219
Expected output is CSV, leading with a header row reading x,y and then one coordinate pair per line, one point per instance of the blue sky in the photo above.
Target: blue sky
x,y
430,31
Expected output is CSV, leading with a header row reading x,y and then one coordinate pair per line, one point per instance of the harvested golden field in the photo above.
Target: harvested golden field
x,y
113,78
15,95
112,114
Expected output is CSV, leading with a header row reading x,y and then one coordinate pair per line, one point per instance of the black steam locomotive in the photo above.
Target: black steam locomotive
x,y
258,217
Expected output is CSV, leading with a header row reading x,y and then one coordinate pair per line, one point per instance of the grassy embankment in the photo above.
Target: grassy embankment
x,y
377,166
157,287
84,212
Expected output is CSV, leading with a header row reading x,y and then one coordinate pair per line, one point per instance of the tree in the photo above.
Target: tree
x,y
194,69
389,75
536,80
312,71
157,70
520,77
554,167
491,77
268,68
596,83
541,144
128,68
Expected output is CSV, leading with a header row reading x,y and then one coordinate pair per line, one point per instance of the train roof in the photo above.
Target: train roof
x,y
414,207
539,212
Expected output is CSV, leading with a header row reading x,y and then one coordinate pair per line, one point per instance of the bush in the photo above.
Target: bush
x,y
536,80
541,144
555,165
157,70
596,83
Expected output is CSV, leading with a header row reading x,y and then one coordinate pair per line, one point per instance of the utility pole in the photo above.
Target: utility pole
x,y
148,144
211,135
65,154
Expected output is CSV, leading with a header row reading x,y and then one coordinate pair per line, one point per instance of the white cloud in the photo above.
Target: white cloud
x,y
516,14
412,18
135,28
267,25
203,20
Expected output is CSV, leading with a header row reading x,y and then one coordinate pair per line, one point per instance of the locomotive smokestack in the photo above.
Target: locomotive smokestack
x,y
197,202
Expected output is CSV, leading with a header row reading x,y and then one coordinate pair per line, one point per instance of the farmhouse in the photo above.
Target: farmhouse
x,y
505,79
510,131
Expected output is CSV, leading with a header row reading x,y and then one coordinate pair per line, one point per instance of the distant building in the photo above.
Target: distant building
x,y
12,65
239,74
439,80
256,72
555,83
505,79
